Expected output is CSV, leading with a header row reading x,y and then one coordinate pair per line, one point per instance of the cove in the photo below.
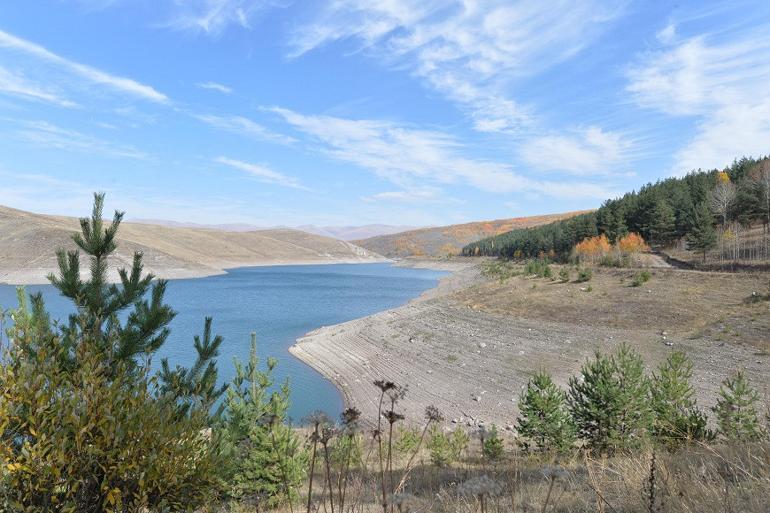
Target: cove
x,y
280,304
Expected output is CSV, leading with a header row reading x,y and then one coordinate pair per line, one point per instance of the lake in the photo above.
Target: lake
x,y
280,304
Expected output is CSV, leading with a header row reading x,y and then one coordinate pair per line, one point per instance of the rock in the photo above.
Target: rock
x,y
509,427
669,343
477,398
482,345
664,333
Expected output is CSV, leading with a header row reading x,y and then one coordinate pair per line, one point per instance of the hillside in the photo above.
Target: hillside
x,y
27,239
442,240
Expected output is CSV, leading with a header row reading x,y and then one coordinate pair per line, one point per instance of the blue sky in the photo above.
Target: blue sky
x,y
273,112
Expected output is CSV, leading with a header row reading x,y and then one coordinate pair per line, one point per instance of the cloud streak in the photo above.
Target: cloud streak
x,y
214,86
48,135
17,85
244,127
91,74
262,173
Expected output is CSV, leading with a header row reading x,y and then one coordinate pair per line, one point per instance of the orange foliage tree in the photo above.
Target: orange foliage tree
x,y
593,248
631,244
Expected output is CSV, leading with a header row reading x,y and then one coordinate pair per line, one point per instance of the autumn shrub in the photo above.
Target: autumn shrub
x,y
641,278
94,437
584,274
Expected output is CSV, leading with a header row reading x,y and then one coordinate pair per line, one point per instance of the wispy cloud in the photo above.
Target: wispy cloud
x,y
212,17
114,82
244,126
420,196
17,85
262,173
214,86
411,158
469,51
720,80
588,151
48,135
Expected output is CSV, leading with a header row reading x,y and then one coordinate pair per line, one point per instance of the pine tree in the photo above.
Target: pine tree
x,y
196,387
544,422
610,404
663,226
736,410
702,236
493,446
264,451
677,417
100,303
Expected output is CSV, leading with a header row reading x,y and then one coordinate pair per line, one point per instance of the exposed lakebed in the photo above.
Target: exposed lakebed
x,y
280,304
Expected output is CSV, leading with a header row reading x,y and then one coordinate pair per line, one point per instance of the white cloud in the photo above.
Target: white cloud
x,y
468,50
589,151
244,126
420,196
262,173
214,16
214,86
17,85
117,83
409,157
720,81
48,135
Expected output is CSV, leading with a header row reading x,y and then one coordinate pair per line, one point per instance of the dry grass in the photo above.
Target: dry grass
x,y
698,479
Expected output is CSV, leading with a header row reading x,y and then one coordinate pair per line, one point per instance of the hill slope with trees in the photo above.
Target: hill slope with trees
x,y
718,215
441,241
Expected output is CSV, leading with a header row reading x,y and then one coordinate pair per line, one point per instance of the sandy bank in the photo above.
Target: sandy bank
x,y
472,363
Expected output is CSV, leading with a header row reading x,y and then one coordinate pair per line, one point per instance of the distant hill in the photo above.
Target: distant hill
x,y
443,240
28,242
336,232
351,233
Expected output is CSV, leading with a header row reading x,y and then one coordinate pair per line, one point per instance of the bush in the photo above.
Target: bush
x,y
492,446
83,424
610,404
539,268
564,274
407,440
584,274
544,422
265,460
736,410
444,448
641,278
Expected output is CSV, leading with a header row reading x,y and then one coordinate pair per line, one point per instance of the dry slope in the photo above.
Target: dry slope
x,y
442,240
28,241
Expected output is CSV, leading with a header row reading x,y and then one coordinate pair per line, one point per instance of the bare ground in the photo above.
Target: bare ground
x,y
470,345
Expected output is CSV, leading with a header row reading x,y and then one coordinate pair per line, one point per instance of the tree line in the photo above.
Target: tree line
x,y
706,210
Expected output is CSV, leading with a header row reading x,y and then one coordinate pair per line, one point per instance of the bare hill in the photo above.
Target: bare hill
x,y
443,240
28,242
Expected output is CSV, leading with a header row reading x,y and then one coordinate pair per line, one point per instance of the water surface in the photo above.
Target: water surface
x,y
279,303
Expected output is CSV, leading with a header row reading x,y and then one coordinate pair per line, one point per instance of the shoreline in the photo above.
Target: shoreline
x,y
451,350
23,277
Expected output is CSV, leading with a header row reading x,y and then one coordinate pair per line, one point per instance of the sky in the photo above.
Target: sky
x,y
350,112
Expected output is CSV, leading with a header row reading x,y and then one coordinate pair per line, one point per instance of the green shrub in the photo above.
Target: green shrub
x,y
407,440
500,269
446,448
539,268
641,278
610,404
493,446
677,417
544,422
736,410
584,274
266,464
564,274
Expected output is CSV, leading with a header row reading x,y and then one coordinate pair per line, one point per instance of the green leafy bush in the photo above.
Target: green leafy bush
x,y
584,274
564,274
539,268
641,278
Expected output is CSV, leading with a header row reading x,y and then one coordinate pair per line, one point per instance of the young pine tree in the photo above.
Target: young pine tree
x,y
702,236
610,405
267,464
677,418
544,422
736,411
493,445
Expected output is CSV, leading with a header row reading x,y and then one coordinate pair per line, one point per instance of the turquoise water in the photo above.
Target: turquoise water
x,y
279,303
